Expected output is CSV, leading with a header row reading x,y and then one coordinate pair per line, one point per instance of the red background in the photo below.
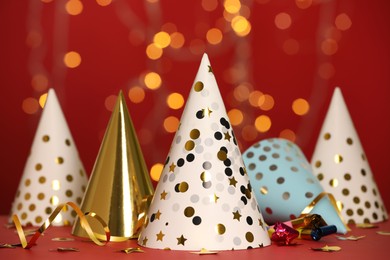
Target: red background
x,y
111,62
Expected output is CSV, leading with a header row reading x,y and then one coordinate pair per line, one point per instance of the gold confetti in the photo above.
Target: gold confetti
x,y
62,239
65,249
7,246
132,250
352,238
384,233
204,251
29,232
9,225
366,225
327,248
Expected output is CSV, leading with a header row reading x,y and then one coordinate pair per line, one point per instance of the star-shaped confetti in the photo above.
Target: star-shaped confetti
x,y
327,248
172,167
65,249
132,250
204,251
210,69
163,195
352,238
158,214
227,136
181,240
236,215
384,233
144,241
366,225
160,236
62,239
216,198
207,112
232,181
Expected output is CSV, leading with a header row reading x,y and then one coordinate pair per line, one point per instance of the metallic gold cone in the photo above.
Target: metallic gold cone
x,y
119,189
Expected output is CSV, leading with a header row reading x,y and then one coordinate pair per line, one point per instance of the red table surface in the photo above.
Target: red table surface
x,y
372,246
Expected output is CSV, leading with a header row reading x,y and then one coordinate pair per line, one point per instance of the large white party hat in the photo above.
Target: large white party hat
x,y
53,173
339,162
204,198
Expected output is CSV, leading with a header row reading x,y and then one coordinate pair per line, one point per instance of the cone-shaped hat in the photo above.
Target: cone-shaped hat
x,y
284,184
203,198
119,186
340,164
53,173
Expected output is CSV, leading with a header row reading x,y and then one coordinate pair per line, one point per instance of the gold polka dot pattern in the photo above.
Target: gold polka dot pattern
x,y
343,159
52,171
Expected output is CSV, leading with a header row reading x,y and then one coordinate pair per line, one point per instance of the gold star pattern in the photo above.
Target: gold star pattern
x,y
210,69
163,195
181,240
207,112
236,215
232,181
160,236
172,167
261,223
158,214
144,241
227,136
216,198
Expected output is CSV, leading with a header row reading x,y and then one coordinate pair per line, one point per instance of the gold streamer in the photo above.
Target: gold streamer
x,y
84,224
311,205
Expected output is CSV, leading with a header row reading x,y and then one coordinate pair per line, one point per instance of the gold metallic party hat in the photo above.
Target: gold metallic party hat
x,y
53,173
119,188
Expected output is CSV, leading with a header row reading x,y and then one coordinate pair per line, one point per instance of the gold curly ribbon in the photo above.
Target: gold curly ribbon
x,y
311,205
83,220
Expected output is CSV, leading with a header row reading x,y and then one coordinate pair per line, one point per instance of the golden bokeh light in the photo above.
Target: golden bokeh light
x,y
263,123
152,80
209,5
74,7
329,46
249,133
241,92
288,134
235,116
343,22
177,40
283,21
109,102
241,26
171,123
214,36
30,105
303,4
169,28
291,46
266,102
300,106
72,59
136,94
254,98
162,39
153,51
156,170
175,100
42,100
39,82
232,6
103,2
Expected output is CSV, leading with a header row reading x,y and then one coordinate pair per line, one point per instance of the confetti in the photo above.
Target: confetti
x,y
7,246
384,233
204,251
65,249
366,225
352,238
132,250
327,248
62,239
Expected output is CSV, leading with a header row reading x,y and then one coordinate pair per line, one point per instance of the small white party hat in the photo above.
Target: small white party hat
x,y
204,198
339,162
53,173
284,184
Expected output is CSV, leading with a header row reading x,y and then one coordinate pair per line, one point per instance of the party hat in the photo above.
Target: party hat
x,y
340,164
53,173
119,189
203,198
284,184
